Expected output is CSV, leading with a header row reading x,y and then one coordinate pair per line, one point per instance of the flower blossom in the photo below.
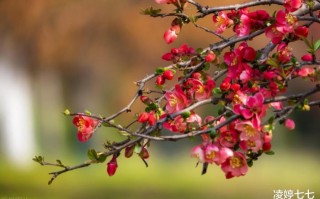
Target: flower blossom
x,y
176,100
292,5
235,165
86,126
211,153
252,107
222,21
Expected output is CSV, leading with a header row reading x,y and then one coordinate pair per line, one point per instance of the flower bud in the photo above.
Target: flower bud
x,y
112,166
168,74
289,124
160,80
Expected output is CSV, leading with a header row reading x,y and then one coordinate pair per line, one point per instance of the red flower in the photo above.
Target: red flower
x,y
147,117
86,126
292,5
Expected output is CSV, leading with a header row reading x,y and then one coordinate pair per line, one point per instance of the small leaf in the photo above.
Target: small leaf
x,y
270,121
186,114
137,148
38,159
66,112
87,112
269,152
59,162
199,51
250,163
217,90
102,157
160,71
206,66
92,155
213,134
316,45
150,11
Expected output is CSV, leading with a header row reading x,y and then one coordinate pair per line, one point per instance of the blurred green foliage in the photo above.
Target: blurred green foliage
x,y
165,178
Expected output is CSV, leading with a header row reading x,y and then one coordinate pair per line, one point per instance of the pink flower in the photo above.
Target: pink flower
x,y
211,153
198,153
244,27
253,107
289,124
306,71
222,21
198,90
274,34
277,105
163,1
228,138
171,34
285,22
284,25
86,126
214,154
176,100
112,166
235,166
248,130
252,144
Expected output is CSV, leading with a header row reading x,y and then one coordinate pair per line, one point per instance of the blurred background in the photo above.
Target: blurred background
x,y
82,54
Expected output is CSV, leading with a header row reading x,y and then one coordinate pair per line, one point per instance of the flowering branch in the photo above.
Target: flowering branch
x,y
243,85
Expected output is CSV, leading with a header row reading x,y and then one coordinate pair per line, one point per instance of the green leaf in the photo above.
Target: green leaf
x,y
213,134
206,66
250,163
316,46
269,152
151,11
199,50
270,121
137,148
92,155
186,114
217,90
102,157
160,70
38,159
87,112
66,112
